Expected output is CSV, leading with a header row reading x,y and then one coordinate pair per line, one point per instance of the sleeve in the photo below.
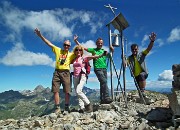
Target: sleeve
x,y
91,50
55,49
145,52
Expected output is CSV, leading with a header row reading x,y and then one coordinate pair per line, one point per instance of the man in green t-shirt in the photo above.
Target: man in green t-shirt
x,y
137,62
100,68
61,74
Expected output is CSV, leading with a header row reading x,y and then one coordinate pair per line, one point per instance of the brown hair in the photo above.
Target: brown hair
x,y
99,39
134,45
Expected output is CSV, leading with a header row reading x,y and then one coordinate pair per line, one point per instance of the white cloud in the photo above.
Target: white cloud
x,y
166,75
93,79
18,56
150,84
162,84
58,23
174,35
145,38
85,18
160,42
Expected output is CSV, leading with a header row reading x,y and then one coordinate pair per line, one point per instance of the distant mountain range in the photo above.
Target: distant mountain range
x,y
160,89
40,101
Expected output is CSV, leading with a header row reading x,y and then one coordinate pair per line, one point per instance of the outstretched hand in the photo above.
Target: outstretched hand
x,y
37,31
152,37
75,37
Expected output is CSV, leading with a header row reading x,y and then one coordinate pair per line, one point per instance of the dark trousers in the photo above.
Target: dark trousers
x,y
102,77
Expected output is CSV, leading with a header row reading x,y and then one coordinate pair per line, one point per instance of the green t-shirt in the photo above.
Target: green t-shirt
x,y
99,63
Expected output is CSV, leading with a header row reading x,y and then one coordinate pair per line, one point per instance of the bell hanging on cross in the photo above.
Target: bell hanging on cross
x,y
115,42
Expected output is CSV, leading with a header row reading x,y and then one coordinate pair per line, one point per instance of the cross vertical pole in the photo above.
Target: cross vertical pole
x,y
124,66
111,69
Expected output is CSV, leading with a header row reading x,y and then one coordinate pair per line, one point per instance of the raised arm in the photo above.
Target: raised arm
x,y
38,33
77,42
96,56
152,38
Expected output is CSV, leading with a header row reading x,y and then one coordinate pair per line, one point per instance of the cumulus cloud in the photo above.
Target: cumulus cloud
x,y
93,79
174,35
57,24
159,84
145,38
166,75
150,84
17,56
160,42
164,81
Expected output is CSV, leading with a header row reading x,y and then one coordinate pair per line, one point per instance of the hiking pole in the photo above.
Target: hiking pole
x,y
136,84
118,77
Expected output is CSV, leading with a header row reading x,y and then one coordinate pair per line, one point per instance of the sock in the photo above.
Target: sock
x,y
66,105
57,106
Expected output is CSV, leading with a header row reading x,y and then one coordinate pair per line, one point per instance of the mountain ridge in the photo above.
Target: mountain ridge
x,y
27,102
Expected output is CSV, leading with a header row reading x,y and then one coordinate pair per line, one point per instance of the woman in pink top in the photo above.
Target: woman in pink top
x,y
79,78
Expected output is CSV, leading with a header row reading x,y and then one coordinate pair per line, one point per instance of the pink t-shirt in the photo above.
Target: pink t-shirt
x,y
78,65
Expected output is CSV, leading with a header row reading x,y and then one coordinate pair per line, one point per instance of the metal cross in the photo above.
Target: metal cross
x,y
109,6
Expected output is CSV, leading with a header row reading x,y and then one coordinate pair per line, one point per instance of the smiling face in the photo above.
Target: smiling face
x,y
67,45
99,43
134,49
78,51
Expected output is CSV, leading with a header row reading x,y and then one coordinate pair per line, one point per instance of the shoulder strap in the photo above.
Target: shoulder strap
x,y
84,60
85,64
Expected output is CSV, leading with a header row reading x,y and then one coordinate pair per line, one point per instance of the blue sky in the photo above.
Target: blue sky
x,y
25,61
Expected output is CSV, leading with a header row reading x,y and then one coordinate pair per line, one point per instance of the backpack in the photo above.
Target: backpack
x,y
87,67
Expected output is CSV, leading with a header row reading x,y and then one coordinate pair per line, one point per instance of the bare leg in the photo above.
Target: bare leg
x,y
67,102
142,85
66,98
56,98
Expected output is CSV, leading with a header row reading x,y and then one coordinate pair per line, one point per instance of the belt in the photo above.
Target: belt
x,y
62,70
79,75
100,68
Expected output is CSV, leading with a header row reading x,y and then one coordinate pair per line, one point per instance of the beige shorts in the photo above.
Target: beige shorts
x,y
61,77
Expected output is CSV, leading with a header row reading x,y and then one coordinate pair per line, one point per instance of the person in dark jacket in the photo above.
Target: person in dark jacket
x,y
137,62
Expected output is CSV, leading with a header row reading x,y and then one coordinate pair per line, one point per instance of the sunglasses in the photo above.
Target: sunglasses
x,y
78,49
134,49
66,45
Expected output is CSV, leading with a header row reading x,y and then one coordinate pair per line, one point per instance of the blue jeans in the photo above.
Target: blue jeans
x,y
102,77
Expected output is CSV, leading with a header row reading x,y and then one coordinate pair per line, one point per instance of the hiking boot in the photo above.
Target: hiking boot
x,y
57,110
102,102
143,94
89,108
82,110
67,108
107,101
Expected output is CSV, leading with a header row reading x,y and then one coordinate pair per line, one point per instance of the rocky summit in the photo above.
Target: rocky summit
x,y
130,114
